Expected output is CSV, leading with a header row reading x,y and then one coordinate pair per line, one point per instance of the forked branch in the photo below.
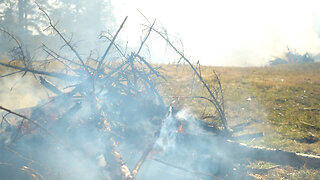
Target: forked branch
x,y
215,101
64,39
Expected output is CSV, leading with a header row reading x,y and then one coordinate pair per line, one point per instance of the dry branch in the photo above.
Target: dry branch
x,y
25,60
216,102
220,88
9,74
17,42
65,40
149,66
62,76
145,39
110,45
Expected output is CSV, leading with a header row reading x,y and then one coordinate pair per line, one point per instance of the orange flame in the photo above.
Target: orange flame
x,y
181,130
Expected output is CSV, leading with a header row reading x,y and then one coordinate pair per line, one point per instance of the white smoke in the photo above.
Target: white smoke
x,y
226,33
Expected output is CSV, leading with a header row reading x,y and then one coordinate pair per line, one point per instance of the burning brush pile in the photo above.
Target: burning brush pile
x,y
107,120
103,120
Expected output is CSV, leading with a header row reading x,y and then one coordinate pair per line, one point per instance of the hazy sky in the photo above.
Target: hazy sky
x,y
228,32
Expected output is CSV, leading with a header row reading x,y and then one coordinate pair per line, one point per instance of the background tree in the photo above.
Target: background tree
x,y
82,21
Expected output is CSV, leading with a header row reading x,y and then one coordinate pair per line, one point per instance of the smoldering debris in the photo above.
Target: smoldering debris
x,y
107,120
293,57
103,120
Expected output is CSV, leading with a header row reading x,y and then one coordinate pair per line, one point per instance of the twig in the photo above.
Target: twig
x,y
59,56
11,74
110,45
115,45
220,88
24,59
17,42
4,119
56,58
145,39
149,66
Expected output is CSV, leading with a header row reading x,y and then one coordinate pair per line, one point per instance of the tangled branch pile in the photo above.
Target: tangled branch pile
x,y
103,120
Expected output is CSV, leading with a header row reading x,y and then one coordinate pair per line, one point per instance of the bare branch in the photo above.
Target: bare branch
x,y
2,76
15,39
51,74
215,101
65,40
145,39
110,45
23,57
115,45
220,88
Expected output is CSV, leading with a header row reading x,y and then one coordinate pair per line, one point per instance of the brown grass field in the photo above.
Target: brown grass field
x,y
281,101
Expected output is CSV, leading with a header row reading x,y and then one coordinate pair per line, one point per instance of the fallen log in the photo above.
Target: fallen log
x,y
240,152
275,156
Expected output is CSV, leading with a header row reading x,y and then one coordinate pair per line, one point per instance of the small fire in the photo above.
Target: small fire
x,y
181,130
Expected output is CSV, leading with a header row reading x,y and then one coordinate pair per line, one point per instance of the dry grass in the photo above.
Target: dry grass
x,y
281,101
